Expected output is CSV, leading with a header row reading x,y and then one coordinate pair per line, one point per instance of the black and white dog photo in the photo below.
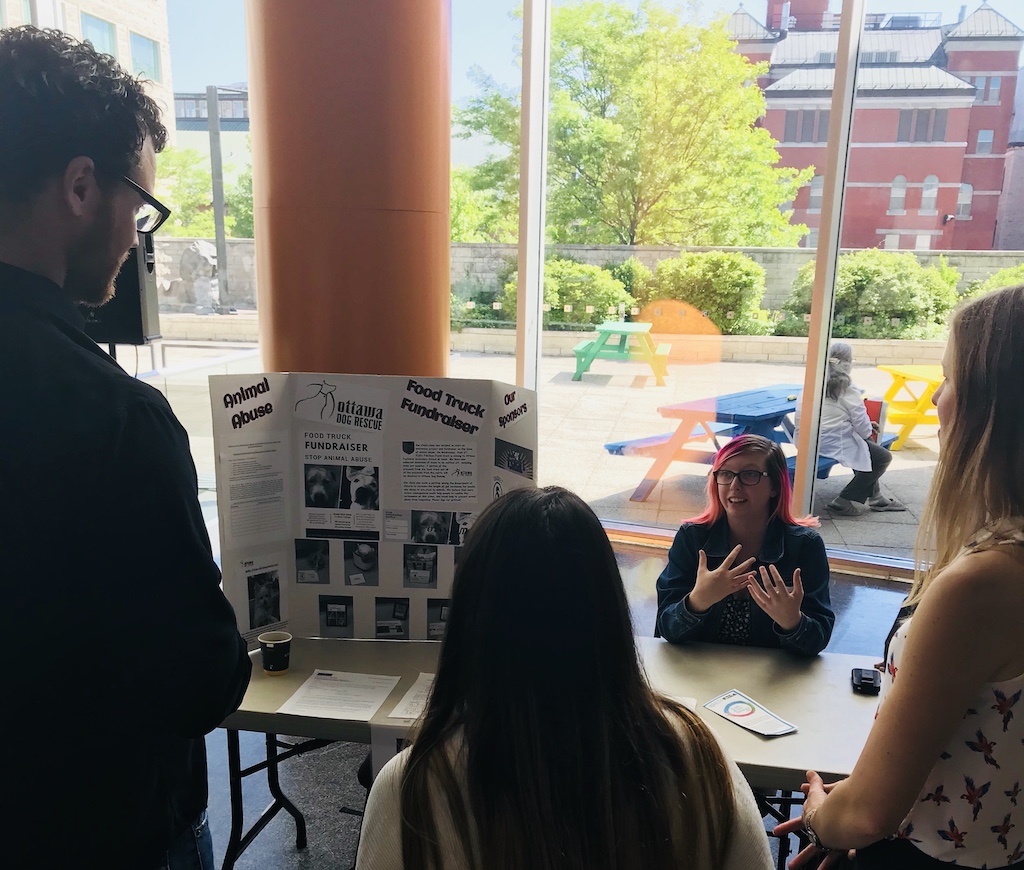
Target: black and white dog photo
x,y
363,489
322,486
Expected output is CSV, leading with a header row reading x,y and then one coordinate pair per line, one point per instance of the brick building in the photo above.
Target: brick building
x,y
931,124
135,33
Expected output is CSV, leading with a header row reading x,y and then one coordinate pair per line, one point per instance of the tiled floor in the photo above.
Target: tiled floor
x,y
323,782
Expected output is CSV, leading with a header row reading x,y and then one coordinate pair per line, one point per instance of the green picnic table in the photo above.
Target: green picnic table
x,y
622,348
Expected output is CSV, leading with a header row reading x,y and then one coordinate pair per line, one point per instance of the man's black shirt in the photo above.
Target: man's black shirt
x,y
119,650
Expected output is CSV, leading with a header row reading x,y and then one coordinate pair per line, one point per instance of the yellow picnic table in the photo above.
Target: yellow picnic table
x,y
910,397
642,347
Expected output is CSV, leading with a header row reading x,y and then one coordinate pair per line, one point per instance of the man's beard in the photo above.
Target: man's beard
x,y
92,270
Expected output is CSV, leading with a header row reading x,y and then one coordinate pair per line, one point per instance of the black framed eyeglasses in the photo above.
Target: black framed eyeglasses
x,y
152,213
748,477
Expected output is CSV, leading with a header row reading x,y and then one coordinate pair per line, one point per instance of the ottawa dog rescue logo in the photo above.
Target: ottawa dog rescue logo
x,y
325,390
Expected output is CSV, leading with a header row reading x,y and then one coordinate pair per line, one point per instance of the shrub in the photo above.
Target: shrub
x,y
567,282
727,285
632,273
1009,277
900,297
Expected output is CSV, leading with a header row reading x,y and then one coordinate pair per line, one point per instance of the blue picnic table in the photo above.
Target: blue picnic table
x,y
764,411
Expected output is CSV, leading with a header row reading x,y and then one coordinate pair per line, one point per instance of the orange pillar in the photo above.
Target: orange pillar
x,y
350,106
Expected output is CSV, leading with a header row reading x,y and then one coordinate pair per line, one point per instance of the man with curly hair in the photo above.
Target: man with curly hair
x,y
121,651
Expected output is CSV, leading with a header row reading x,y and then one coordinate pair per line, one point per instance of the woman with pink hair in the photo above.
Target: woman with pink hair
x,y
746,571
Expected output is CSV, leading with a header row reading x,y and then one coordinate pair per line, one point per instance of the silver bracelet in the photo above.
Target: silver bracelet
x,y
811,833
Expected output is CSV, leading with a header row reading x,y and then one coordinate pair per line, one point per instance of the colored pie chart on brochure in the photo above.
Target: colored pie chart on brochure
x,y
738,709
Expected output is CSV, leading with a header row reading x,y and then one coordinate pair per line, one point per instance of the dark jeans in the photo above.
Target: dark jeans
x,y
862,487
193,850
898,855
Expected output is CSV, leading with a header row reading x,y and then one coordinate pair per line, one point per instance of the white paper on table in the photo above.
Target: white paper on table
x,y
415,700
340,695
747,713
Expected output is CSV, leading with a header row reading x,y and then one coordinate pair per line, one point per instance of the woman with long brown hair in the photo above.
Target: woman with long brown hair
x,y
542,746
939,780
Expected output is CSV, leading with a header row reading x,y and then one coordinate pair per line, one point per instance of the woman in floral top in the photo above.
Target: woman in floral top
x,y
939,781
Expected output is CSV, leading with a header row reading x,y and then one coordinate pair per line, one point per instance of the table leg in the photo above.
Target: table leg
x,y
237,841
237,809
282,802
584,364
650,352
665,457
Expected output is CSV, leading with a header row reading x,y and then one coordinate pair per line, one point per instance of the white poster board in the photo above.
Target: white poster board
x,y
344,499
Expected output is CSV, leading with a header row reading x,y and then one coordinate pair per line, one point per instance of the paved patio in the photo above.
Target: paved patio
x,y
617,401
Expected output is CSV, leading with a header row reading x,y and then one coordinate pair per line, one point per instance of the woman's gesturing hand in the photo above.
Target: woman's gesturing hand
x,y
772,596
712,586
811,856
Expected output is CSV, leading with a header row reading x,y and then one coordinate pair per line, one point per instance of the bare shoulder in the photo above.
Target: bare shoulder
x,y
980,595
984,577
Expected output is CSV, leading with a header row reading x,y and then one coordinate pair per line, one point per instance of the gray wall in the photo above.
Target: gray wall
x,y
475,267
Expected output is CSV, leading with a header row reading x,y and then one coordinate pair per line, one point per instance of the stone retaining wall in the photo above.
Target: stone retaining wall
x,y
475,267
243,327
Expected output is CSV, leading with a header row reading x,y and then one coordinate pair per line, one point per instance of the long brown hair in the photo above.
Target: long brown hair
x,y
542,736
979,478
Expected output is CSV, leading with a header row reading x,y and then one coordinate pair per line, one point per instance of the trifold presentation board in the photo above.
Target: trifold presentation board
x,y
344,500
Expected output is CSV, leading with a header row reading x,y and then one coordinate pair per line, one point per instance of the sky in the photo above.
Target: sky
x,y
208,39
208,36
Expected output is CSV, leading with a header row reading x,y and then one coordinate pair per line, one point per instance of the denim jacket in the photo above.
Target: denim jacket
x,y
785,547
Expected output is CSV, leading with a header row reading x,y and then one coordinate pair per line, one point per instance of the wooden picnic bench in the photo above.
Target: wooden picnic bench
x,y
643,348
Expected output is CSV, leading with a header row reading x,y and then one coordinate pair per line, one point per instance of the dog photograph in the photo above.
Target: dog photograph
x,y
264,599
322,485
431,527
462,522
312,561
361,568
361,488
337,618
392,618
420,566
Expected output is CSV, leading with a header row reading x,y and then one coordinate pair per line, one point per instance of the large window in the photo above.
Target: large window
x,y
146,57
929,195
963,201
922,125
102,34
993,89
817,186
898,195
984,145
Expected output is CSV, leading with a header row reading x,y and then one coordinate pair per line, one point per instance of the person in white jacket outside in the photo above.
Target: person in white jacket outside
x,y
846,432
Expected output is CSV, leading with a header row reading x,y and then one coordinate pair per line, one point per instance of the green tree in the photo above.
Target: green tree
x,y
185,185
652,136
239,205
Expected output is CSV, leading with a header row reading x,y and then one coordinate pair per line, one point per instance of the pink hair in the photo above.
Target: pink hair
x,y
778,474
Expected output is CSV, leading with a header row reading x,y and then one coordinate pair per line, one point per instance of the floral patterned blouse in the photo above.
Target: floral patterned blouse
x,y
971,810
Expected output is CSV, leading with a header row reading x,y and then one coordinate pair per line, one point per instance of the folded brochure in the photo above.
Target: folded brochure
x,y
747,713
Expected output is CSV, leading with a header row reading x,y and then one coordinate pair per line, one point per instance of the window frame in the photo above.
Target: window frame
x,y
109,24
158,60
929,195
898,196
